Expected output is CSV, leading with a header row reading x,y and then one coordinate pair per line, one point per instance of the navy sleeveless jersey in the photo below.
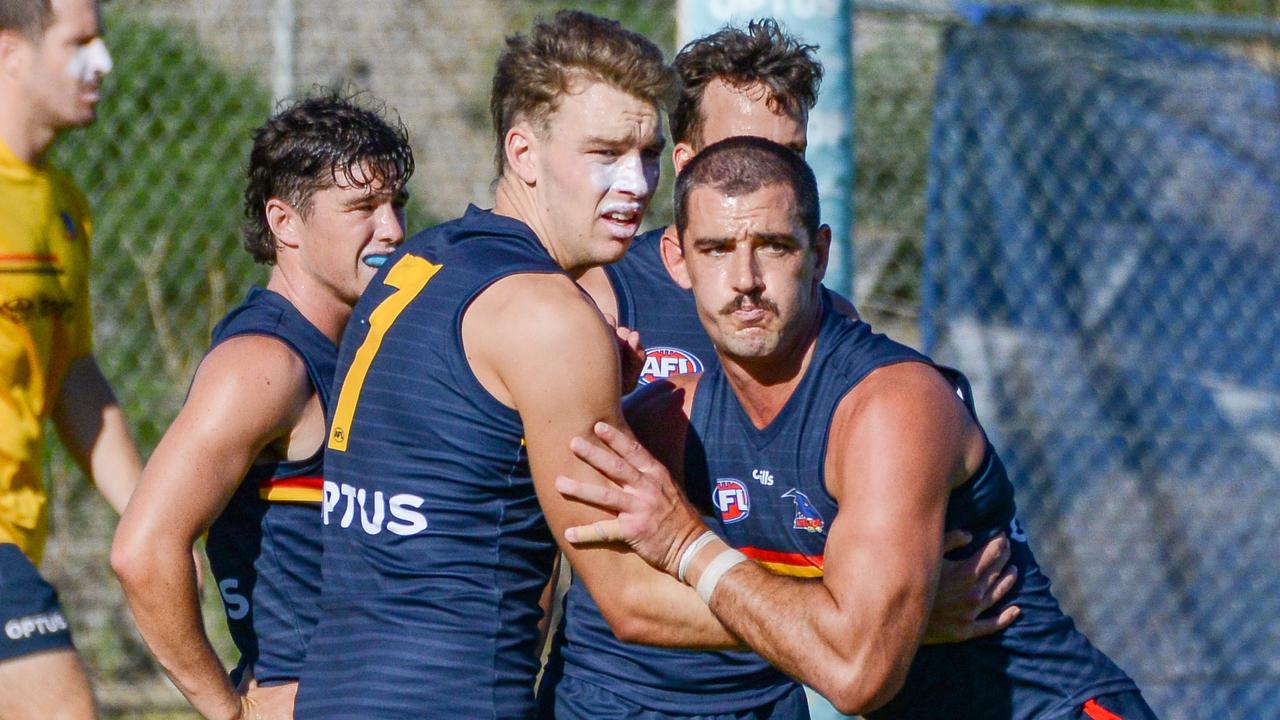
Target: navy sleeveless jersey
x,y
663,679
264,548
435,547
766,487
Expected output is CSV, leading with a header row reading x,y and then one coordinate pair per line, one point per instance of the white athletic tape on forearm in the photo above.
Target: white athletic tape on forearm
x,y
683,566
716,569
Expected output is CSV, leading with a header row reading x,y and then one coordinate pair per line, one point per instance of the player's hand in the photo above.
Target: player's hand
x,y
630,351
968,588
654,517
273,702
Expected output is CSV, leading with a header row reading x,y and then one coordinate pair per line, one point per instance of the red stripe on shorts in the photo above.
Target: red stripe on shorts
x,y
1097,712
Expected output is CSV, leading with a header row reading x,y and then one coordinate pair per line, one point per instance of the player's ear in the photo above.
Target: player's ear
x,y
681,154
821,251
283,221
673,258
10,43
521,148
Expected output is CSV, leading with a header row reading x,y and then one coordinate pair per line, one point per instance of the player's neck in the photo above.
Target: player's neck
x,y
764,385
596,282
514,199
314,300
26,138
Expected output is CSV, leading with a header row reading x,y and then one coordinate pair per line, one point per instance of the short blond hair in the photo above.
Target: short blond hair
x,y
537,69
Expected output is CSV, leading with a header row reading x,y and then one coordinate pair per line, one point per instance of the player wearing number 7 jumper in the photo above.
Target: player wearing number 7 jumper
x,y
243,460
471,360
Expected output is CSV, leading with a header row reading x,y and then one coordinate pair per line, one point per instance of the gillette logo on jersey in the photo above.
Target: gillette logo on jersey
x,y
732,500
663,362
807,516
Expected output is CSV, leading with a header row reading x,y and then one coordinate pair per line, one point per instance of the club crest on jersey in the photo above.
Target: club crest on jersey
x,y
732,500
663,362
807,516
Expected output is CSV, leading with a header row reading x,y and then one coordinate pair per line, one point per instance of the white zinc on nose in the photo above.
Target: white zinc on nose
x,y
90,62
628,176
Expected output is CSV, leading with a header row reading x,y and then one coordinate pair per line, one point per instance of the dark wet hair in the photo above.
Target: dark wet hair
x,y
740,166
311,146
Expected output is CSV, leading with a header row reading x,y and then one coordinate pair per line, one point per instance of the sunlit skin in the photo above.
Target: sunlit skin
x,y
38,73
584,178
336,243
756,276
727,111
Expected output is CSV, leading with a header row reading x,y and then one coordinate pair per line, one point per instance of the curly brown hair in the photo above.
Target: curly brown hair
x,y
308,147
760,53
536,69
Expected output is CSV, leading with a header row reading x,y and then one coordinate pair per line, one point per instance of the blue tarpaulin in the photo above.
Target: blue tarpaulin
x,y
1102,257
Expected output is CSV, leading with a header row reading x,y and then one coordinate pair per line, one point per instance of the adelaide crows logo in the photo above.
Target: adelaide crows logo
x,y
663,362
807,516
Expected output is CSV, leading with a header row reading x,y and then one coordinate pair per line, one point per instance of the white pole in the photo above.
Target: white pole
x,y
283,28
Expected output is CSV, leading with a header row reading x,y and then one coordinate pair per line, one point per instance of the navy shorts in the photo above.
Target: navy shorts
x,y
578,700
31,619
1116,706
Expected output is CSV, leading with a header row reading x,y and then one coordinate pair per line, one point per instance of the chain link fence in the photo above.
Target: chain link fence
x,y
1015,186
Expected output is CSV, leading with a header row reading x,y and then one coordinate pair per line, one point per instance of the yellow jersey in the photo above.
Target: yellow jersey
x,y
44,324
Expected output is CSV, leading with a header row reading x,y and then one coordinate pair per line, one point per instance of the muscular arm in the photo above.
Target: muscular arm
x,y
92,428
898,444
249,392
540,347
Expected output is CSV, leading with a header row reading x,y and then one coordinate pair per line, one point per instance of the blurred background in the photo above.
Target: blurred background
x,y
1077,205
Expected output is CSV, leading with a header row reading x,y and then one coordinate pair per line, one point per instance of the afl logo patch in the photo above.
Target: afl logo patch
x,y
732,500
663,362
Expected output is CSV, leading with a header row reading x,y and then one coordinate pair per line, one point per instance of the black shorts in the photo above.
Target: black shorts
x,y
31,619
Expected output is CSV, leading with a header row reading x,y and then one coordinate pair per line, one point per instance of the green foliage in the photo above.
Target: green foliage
x,y
163,171
162,168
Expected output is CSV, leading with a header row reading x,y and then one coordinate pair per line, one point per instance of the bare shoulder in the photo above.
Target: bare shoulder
x,y
910,411
908,389
252,375
532,305
532,334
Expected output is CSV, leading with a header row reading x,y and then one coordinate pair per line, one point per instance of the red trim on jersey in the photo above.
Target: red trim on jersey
x,y
782,558
315,482
29,258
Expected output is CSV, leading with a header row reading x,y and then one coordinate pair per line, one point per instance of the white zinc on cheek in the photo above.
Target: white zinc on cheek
x,y
628,175
90,62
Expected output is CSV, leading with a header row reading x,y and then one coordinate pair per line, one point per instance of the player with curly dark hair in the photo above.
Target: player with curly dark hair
x,y
243,461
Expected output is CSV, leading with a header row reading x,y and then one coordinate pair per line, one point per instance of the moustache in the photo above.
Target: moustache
x,y
743,302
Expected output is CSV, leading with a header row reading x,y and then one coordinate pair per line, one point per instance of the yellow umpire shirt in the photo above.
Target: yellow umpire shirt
x,y
44,325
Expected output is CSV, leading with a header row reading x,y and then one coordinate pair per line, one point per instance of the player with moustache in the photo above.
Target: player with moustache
x,y
52,62
471,360
243,460
751,81
872,453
